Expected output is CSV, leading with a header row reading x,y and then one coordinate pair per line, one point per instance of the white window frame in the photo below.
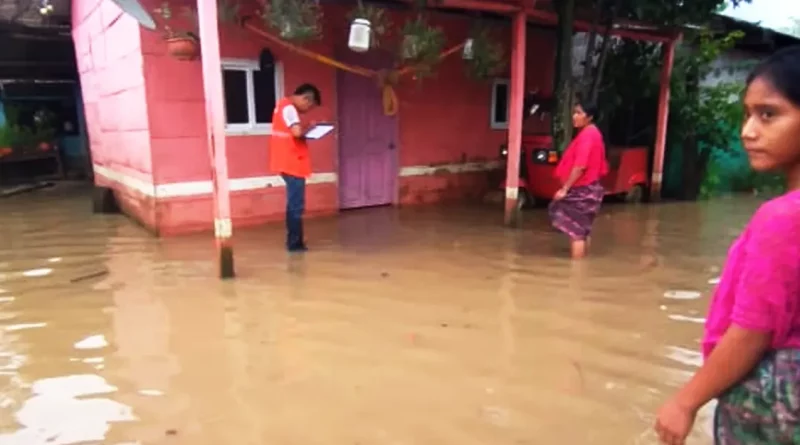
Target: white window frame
x,y
252,127
494,124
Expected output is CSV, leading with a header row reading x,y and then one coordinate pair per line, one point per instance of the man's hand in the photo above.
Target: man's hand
x,y
674,422
560,194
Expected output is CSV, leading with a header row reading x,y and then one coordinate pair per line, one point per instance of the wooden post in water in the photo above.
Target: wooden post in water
x,y
663,117
215,122
515,115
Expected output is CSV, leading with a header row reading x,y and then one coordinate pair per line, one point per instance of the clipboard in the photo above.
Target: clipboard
x,y
319,131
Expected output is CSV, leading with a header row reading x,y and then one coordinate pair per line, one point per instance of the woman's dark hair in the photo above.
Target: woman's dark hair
x,y
590,108
782,70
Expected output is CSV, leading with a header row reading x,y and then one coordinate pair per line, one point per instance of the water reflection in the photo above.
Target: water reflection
x,y
413,326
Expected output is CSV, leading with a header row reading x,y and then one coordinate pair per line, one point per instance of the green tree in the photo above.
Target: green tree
x,y
664,13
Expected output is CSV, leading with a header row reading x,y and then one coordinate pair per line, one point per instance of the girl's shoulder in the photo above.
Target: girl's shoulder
x,y
781,215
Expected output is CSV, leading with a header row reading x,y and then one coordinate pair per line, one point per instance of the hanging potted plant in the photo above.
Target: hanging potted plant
x,y
368,25
295,20
182,45
421,46
484,57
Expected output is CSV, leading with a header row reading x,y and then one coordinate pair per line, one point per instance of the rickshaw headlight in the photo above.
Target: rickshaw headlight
x,y
540,156
545,156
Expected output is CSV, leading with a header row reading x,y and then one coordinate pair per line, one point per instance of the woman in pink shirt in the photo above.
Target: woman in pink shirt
x,y
583,164
752,335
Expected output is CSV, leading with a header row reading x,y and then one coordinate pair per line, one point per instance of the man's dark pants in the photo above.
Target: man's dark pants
x,y
295,206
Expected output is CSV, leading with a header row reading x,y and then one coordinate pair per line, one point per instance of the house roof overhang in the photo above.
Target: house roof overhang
x,y
541,12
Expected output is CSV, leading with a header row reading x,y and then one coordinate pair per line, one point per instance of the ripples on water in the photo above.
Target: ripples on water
x,y
418,326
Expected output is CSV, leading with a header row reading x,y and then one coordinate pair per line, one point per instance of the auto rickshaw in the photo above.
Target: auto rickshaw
x,y
627,176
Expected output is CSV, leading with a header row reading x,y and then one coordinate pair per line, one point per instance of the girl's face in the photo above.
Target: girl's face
x,y
579,117
771,129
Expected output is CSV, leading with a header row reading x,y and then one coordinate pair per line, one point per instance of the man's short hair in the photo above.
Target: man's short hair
x,y
308,89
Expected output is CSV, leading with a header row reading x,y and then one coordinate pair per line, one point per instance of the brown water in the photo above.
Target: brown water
x,y
418,326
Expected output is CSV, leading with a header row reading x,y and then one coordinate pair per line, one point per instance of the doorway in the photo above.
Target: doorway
x,y
367,138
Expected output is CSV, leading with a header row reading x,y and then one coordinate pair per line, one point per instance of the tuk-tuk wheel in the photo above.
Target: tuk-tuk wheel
x,y
523,199
635,195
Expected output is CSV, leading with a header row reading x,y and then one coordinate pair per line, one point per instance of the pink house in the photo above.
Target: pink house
x,y
146,121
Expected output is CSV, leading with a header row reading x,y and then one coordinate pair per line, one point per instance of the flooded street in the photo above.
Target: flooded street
x,y
402,327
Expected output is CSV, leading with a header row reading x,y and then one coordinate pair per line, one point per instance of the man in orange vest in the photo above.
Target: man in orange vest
x,y
289,156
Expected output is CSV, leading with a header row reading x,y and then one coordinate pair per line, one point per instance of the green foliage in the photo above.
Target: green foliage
x,y
674,12
295,20
22,138
184,24
421,46
704,120
6,136
488,55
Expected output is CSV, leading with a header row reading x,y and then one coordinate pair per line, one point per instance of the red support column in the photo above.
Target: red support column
x,y
663,117
215,122
515,113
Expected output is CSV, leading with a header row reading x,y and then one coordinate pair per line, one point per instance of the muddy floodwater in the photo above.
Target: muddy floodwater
x,y
418,326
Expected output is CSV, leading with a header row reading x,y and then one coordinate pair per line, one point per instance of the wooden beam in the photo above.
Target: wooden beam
x,y
215,131
551,18
660,147
515,115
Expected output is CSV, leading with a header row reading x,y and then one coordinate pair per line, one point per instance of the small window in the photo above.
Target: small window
x,y
250,96
499,111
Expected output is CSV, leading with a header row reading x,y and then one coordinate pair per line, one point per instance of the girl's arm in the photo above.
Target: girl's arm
x,y
733,358
765,303
582,146
767,290
574,175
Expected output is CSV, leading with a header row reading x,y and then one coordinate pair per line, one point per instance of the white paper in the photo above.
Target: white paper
x,y
319,131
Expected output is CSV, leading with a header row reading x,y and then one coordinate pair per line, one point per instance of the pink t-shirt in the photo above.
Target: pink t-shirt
x,y
586,150
760,284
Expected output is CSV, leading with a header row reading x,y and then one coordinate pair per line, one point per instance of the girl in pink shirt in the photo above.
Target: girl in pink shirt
x,y
583,164
752,335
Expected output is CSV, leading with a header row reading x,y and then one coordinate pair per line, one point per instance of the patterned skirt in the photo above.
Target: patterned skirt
x,y
764,408
574,214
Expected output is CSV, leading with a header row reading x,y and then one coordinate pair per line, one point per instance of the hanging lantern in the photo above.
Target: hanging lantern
x,y
468,53
360,34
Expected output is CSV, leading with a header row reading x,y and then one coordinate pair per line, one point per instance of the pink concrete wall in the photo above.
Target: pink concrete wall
x,y
443,120
109,58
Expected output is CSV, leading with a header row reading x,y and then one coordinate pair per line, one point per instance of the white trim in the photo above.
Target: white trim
x,y
241,64
200,188
493,124
139,185
252,128
427,170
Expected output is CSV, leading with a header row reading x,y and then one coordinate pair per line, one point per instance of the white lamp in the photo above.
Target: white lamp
x,y
468,53
360,35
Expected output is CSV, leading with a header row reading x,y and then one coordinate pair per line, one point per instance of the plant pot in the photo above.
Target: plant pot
x,y
183,48
5,151
44,146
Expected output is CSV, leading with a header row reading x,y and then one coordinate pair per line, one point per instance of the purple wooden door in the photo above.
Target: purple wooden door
x,y
367,139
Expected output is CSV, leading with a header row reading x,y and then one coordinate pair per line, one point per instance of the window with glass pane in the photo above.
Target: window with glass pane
x,y
265,94
235,85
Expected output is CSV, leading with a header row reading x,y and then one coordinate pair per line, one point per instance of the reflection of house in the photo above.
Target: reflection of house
x,y
146,122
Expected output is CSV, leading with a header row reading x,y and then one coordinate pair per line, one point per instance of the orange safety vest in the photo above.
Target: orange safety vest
x,y
288,154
